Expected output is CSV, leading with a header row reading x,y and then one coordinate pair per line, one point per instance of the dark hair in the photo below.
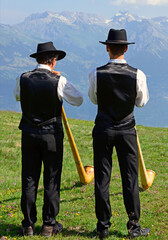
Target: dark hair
x,y
46,58
117,49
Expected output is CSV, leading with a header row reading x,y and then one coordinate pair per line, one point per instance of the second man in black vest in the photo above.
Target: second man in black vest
x,y
116,87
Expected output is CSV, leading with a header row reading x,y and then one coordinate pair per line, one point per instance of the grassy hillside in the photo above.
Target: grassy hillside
x,y
77,202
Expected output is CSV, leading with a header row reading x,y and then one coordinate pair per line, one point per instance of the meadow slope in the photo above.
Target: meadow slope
x,y
77,201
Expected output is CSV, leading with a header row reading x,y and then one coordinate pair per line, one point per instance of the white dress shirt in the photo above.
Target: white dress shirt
x,y
142,96
66,90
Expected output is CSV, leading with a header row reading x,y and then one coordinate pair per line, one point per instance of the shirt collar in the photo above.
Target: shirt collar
x,y
117,60
44,66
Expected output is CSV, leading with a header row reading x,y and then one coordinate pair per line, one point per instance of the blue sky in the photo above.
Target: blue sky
x,y
15,11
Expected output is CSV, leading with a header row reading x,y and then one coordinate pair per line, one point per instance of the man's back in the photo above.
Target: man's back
x,y
39,100
116,90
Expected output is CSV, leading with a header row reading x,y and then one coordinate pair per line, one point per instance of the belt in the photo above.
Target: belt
x,y
123,120
125,123
47,122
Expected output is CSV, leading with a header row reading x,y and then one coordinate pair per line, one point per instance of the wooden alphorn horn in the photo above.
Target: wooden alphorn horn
x,y
147,176
86,174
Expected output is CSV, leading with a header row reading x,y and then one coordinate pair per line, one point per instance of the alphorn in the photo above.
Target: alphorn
x,y
147,176
86,174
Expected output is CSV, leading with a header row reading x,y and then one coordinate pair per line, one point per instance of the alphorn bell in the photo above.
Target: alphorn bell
x,y
86,174
147,176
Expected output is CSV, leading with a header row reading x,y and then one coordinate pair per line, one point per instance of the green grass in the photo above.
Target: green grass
x,y
77,213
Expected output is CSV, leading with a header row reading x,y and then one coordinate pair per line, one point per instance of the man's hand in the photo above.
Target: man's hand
x,y
56,73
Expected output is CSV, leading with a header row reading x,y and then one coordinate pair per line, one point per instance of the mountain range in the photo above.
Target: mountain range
x,y
79,34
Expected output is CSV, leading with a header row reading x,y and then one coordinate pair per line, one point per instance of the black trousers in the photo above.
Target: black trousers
x,y
104,139
37,148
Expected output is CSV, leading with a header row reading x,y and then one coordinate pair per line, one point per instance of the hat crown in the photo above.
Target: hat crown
x,y
48,47
117,35
45,47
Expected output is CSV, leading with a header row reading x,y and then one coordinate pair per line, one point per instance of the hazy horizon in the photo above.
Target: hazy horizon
x,y
13,12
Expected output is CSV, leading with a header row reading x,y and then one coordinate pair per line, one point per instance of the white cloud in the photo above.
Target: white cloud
x,y
157,2
166,98
139,2
130,1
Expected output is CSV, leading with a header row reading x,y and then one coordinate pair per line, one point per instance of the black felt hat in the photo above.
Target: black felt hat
x,y
48,47
117,37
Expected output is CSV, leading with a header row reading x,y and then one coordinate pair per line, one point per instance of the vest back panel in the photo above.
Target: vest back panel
x,y
39,99
116,90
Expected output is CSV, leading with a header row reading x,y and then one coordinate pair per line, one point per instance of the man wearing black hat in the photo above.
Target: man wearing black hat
x,y
41,92
116,88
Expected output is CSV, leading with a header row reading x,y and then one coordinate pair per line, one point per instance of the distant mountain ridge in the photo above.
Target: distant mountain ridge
x,y
67,17
79,34
155,28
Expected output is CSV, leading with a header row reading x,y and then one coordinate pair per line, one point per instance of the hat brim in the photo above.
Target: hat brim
x,y
60,54
116,42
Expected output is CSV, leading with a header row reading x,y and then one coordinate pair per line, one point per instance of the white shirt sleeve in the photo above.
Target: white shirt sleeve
x,y
68,92
92,92
142,89
17,89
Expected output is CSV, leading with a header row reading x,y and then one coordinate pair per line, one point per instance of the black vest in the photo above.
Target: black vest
x,y
40,104
116,93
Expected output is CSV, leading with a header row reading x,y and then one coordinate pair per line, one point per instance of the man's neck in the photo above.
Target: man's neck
x,y
116,57
43,66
